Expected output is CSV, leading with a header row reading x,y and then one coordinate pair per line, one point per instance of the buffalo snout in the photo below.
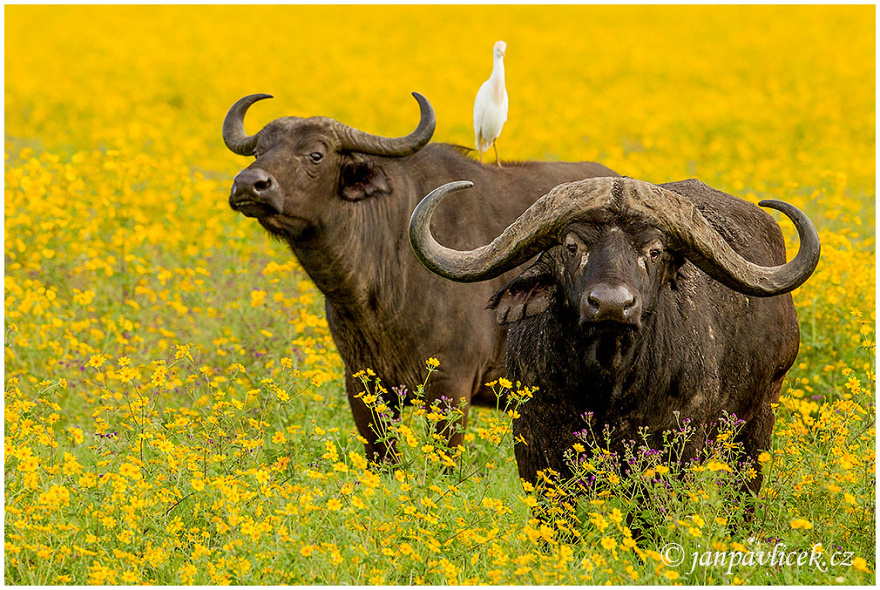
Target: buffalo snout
x,y
616,304
256,193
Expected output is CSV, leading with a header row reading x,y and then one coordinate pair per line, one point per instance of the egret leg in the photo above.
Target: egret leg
x,y
497,161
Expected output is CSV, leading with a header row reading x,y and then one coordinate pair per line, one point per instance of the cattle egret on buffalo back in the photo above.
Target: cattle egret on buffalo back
x,y
490,107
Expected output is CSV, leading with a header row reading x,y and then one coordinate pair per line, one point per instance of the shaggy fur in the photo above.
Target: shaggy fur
x,y
696,348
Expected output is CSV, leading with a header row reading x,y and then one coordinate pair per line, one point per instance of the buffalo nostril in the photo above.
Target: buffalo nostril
x,y
616,303
256,191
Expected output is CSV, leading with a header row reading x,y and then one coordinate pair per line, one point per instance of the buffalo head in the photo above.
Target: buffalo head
x,y
308,169
608,247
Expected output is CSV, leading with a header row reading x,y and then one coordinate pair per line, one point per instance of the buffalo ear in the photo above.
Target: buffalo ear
x,y
677,274
361,178
528,294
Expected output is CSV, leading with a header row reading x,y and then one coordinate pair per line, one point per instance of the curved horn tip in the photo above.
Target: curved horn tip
x,y
234,135
798,217
427,110
780,206
457,185
421,98
807,258
250,99
773,204
259,96
430,201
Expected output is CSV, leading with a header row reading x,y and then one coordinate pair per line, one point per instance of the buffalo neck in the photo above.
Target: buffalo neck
x,y
614,367
360,262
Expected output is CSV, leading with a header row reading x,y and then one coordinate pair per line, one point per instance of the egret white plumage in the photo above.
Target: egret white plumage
x,y
490,107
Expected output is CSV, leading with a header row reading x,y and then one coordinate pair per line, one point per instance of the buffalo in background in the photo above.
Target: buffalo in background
x,y
342,199
648,305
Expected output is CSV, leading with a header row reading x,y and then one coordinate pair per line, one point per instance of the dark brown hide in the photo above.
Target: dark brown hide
x,y
612,322
345,216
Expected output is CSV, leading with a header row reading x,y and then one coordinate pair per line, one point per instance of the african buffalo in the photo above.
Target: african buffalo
x,y
342,198
648,305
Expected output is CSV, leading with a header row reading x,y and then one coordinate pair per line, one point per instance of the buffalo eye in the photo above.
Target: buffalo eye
x,y
654,253
572,248
316,157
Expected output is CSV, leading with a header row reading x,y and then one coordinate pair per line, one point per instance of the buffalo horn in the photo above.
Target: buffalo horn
x,y
234,135
540,227
358,141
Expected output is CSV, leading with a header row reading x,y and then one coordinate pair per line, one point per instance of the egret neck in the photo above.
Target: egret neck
x,y
498,79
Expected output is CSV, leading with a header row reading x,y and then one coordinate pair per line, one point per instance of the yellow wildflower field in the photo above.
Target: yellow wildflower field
x,y
174,405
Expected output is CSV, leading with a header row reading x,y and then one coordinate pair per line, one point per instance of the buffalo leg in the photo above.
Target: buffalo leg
x,y
448,392
755,438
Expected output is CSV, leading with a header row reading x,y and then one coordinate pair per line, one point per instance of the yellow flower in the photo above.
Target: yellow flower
x,y
257,297
71,465
718,466
608,543
357,460
800,523
76,435
505,383
55,497
861,564
764,457
187,573
334,504
96,360
369,479
159,376
432,363
129,470
278,437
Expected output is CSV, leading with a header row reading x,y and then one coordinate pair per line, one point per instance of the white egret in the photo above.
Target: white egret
x,y
490,107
